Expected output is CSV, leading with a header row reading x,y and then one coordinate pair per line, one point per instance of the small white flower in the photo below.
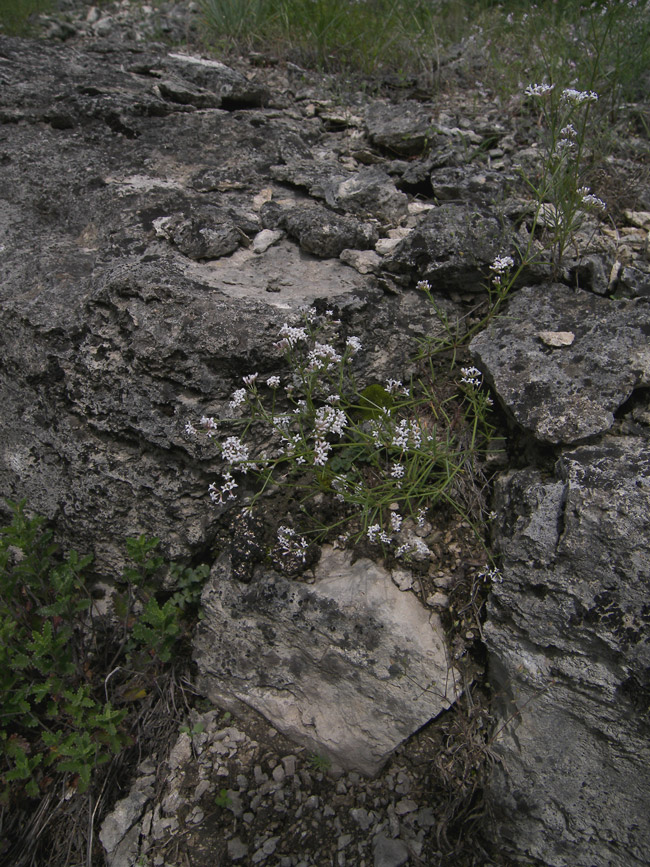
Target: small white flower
x,y
290,336
238,398
397,471
392,385
322,357
353,344
501,264
538,89
578,97
565,146
373,531
569,131
421,517
395,521
250,379
273,382
219,494
208,423
190,430
234,451
407,434
491,573
321,450
330,420
471,376
423,286
594,202
420,548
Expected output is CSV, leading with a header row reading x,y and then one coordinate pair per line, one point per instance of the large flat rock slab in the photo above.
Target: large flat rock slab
x,y
567,632
562,360
349,666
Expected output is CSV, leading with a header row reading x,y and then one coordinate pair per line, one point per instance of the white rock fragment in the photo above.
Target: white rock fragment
x,y
265,239
556,339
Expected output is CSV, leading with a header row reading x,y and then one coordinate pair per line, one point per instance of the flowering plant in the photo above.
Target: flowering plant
x,y
562,199
380,456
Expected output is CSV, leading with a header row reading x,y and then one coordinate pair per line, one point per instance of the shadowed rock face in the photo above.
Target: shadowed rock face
x,y
568,636
349,666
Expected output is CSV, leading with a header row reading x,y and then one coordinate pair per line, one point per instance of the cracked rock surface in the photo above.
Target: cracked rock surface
x,y
162,214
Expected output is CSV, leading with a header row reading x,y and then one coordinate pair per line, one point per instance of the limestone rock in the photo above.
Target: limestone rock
x,y
452,247
400,129
121,819
569,394
323,233
348,665
232,88
116,336
207,234
368,192
569,658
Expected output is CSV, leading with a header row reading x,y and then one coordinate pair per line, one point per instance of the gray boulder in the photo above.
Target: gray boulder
x,y
569,658
348,665
565,389
403,129
323,233
452,247
369,192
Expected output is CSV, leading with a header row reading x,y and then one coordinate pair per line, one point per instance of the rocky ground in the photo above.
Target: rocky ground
x,y
152,184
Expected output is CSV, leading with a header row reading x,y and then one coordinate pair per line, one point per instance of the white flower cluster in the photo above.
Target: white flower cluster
x,y
218,494
538,89
395,385
321,450
376,534
290,336
423,285
353,344
273,382
591,201
291,543
407,435
238,398
500,267
471,376
578,97
330,420
250,379
234,451
415,547
322,357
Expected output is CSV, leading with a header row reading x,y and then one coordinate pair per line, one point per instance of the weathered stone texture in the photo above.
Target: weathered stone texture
x,y
570,392
567,632
349,665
